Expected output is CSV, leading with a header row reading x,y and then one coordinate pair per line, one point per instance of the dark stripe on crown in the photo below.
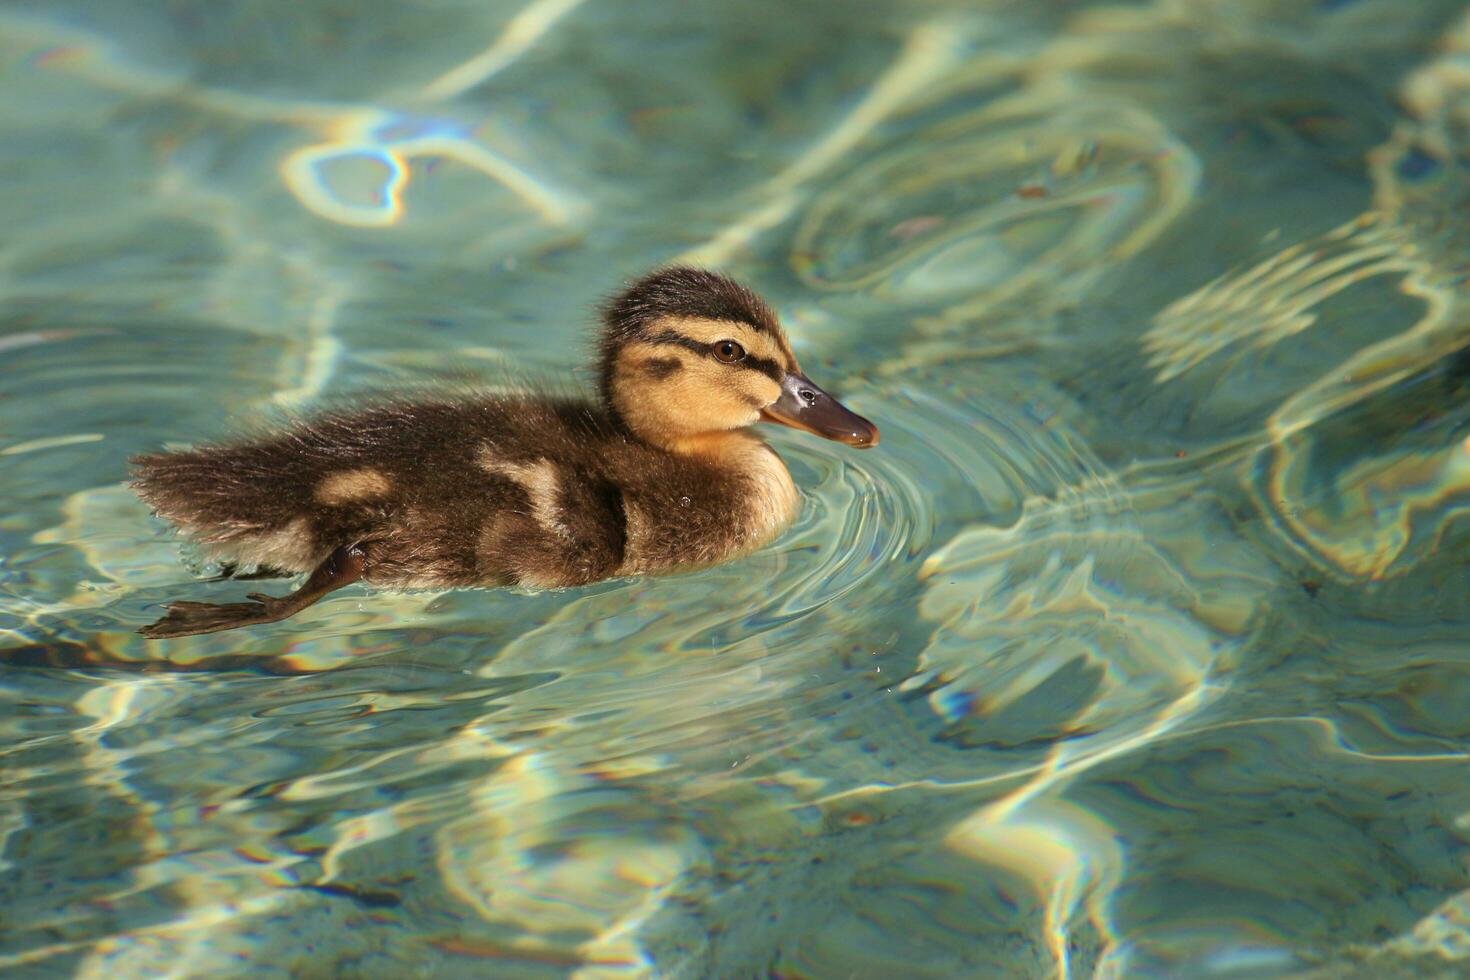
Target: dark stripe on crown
x,y
682,291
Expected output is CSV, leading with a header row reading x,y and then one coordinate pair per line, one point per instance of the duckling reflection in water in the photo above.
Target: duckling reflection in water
x,y
659,473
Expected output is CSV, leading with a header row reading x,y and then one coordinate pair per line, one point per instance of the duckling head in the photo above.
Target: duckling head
x,y
687,354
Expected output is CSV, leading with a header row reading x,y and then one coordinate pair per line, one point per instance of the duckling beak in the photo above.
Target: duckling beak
x,y
804,406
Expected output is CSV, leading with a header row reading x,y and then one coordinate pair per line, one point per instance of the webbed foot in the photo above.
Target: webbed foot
x,y
342,567
189,618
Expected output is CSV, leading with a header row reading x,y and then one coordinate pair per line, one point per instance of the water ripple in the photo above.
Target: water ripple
x,y
1021,201
1136,648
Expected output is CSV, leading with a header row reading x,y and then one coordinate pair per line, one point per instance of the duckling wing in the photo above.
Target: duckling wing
x,y
288,498
564,526
452,493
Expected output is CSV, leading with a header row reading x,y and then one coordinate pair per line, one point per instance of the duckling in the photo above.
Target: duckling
x,y
657,472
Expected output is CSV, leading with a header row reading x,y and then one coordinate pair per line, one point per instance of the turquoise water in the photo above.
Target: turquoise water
x,y
1139,648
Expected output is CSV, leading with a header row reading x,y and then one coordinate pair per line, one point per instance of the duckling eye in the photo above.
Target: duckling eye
x,y
729,352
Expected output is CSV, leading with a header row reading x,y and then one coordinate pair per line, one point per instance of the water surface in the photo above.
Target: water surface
x,y
1140,647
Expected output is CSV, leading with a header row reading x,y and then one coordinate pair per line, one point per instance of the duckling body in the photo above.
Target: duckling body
x,y
658,474
487,490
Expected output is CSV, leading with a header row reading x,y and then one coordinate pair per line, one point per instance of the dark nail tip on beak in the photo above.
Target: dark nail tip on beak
x,y
860,438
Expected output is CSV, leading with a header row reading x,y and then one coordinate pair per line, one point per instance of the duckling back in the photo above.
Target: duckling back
x,y
438,490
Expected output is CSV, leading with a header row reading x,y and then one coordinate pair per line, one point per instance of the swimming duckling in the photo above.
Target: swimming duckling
x,y
658,473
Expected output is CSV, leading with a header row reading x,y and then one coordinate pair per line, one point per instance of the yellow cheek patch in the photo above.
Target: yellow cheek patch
x,y
701,395
352,486
758,389
667,392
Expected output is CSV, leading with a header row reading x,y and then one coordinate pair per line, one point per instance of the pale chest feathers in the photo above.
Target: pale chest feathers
x,y
757,500
773,501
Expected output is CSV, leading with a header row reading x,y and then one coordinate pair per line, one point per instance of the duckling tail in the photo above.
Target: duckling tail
x,y
235,501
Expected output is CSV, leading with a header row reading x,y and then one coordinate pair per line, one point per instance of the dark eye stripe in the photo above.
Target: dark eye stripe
x,y
764,365
678,340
